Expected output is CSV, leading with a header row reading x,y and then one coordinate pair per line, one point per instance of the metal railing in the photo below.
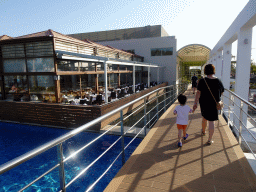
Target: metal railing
x,y
165,97
236,111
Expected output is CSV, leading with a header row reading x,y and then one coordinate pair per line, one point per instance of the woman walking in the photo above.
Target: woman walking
x,y
208,88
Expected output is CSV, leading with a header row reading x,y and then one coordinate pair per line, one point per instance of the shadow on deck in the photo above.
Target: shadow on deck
x,y
159,165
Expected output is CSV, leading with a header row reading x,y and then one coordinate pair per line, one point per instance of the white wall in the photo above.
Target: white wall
x,y
143,47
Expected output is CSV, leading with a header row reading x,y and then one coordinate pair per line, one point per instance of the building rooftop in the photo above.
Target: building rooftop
x,y
121,34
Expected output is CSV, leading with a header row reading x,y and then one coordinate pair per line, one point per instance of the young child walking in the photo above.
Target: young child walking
x,y
182,112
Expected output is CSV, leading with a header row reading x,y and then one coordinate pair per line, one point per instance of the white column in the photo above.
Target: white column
x,y
214,62
133,74
148,75
106,81
226,72
219,64
243,65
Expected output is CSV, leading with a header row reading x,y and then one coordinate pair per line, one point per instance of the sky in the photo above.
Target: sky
x,y
190,21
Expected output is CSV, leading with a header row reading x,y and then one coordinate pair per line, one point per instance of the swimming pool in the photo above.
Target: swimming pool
x,y
17,139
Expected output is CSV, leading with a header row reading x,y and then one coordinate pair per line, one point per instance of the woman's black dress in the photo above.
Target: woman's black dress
x,y
207,103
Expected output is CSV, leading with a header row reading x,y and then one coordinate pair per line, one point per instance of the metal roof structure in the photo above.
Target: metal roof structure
x,y
193,52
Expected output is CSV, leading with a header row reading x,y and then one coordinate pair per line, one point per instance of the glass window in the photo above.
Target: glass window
x,y
72,82
167,51
72,66
14,65
16,84
155,52
161,51
42,88
40,65
41,84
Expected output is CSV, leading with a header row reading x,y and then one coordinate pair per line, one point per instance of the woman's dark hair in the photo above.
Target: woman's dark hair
x,y
209,69
182,99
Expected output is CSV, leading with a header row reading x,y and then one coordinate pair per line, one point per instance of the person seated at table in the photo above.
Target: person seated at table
x,y
98,99
14,88
113,95
77,97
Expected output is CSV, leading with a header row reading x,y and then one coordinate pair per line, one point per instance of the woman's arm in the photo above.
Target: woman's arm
x,y
198,94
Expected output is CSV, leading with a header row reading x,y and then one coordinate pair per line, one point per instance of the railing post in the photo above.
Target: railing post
x,y
122,135
165,99
145,116
240,122
229,106
61,168
157,93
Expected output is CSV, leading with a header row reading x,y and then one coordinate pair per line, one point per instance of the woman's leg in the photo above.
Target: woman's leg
x,y
211,130
204,124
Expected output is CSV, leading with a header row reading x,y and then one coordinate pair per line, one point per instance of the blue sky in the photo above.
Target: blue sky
x,y
191,21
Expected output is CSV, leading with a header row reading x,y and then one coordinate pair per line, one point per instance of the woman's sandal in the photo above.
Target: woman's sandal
x,y
209,142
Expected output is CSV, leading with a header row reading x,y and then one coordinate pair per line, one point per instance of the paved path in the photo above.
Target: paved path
x,y
158,165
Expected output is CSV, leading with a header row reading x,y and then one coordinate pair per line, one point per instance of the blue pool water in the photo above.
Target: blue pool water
x,y
17,139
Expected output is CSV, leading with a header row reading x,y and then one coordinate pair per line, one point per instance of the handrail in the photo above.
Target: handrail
x,y
58,141
248,103
239,117
25,157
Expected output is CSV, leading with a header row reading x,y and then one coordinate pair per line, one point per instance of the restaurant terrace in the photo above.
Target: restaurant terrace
x,y
54,68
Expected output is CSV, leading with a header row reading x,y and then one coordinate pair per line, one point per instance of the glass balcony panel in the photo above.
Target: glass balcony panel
x,y
14,65
40,65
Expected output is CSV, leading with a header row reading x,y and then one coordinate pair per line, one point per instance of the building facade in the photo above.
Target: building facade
x,y
47,64
151,42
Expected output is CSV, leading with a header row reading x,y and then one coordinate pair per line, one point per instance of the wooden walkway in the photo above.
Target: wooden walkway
x,y
159,165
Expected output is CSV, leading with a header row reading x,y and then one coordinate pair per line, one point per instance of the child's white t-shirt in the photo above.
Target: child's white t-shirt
x,y
182,114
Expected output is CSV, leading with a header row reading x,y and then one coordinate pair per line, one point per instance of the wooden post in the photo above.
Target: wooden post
x,y
118,77
96,80
80,85
126,76
2,76
57,88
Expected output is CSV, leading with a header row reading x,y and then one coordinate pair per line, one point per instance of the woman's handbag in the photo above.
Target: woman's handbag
x,y
219,105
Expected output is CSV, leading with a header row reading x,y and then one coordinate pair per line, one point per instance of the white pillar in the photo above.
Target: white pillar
x,y
226,72
214,62
148,75
219,65
243,65
133,74
106,81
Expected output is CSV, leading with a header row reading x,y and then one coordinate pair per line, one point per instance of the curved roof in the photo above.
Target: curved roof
x,y
194,52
